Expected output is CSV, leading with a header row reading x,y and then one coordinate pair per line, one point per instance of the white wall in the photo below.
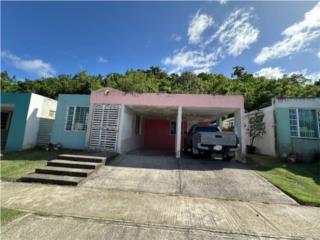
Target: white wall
x,y
39,107
266,143
297,102
128,139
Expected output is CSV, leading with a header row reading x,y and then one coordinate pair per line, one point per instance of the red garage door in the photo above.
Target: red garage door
x,y
160,133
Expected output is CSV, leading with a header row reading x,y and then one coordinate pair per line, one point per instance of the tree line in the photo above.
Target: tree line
x,y
257,91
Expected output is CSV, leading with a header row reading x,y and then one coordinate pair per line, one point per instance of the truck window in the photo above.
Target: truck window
x,y
207,129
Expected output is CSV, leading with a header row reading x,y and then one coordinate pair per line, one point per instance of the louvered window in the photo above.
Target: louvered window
x,y
104,127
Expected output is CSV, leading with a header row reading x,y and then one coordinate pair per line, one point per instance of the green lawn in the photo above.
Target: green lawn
x,y
7,215
16,164
301,181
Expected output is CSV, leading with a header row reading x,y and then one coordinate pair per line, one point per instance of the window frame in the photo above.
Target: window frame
x,y
298,122
173,134
73,119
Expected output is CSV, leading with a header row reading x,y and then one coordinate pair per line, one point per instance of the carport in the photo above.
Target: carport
x,y
123,122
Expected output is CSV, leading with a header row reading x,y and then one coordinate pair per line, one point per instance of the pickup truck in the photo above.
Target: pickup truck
x,y
209,139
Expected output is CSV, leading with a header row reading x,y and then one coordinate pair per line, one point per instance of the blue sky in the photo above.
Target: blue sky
x,y
268,38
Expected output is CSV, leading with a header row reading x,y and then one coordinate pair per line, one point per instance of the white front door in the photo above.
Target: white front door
x,y
104,127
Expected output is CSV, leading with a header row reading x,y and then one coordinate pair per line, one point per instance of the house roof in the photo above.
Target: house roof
x,y
112,96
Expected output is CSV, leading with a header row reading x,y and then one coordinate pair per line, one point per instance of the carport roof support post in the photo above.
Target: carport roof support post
x,y
240,131
178,132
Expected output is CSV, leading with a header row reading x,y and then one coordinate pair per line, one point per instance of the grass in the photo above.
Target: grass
x,y
16,164
301,181
7,215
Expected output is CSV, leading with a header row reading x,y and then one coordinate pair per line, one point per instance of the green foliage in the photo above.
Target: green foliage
x,y
298,180
257,91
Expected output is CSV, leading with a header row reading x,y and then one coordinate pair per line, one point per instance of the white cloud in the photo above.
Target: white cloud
x,y
276,73
237,33
36,66
102,60
176,37
222,1
198,24
232,37
315,76
295,38
269,72
318,54
192,60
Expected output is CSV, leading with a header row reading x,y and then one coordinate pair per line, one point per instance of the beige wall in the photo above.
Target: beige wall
x,y
128,139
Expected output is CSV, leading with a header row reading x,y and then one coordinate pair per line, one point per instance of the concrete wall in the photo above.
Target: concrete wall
x,y
128,139
305,149
265,144
46,121
69,139
296,102
39,107
20,103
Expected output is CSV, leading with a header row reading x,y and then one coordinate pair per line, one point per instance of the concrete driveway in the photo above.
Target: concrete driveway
x,y
59,212
188,177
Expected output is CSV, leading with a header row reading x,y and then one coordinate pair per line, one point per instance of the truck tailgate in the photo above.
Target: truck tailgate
x,y
219,138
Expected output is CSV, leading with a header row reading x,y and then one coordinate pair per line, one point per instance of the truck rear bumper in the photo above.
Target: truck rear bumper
x,y
214,149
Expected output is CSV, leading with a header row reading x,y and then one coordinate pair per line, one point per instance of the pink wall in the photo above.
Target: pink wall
x,y
112,96
157,134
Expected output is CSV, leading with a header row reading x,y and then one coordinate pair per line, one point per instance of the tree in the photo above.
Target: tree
x,y
256,126
257,91
8,84
238,72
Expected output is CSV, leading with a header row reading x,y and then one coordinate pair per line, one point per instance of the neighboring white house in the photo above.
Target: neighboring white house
x,y
26,120
292,128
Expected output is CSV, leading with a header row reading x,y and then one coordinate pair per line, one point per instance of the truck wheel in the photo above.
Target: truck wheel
x,y
195,152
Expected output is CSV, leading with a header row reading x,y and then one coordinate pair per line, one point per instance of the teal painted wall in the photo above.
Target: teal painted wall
x,y
68,139
21,103
305,149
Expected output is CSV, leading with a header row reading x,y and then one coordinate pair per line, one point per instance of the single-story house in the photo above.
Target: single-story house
x,y
297,123
111,120
70,125
26,120
292,128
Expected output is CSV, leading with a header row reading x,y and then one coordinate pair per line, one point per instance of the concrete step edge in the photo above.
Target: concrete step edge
x,y
64,171
51,179
82,158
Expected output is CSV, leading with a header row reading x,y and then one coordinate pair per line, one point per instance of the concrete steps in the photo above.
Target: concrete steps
x,y
52,179
67,169
73,164
82,158
75,172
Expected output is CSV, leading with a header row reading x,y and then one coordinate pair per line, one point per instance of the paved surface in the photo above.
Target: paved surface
x,y
189,177
52,228
155,210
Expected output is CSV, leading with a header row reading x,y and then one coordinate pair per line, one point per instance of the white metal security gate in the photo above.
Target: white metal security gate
x,y
104,127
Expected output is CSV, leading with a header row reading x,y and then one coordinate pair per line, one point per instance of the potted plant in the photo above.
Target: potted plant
x,y
256,128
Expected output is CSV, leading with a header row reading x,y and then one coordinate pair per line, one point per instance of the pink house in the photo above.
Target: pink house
x,y
123,122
